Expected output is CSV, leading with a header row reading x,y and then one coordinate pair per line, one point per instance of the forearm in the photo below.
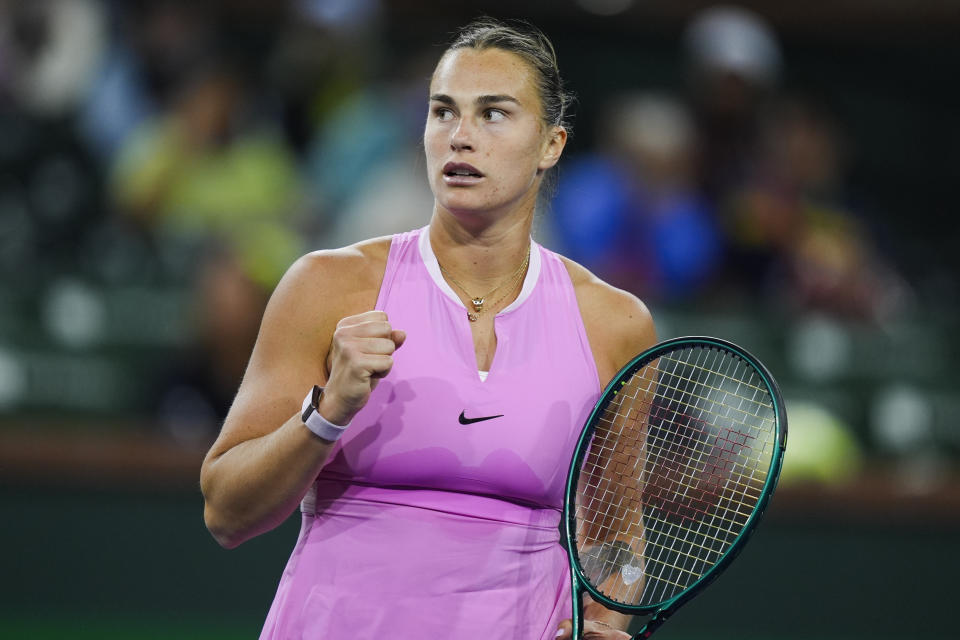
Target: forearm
x,y
255,485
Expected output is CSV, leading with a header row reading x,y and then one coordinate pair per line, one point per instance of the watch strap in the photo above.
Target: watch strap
x,y
312,419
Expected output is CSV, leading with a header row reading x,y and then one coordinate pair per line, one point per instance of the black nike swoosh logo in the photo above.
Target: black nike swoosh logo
x,y
466,420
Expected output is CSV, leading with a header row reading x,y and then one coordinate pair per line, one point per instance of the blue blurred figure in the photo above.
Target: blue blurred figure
x,y
629,211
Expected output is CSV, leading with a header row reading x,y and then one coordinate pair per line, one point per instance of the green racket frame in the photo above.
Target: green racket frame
x,y
660,612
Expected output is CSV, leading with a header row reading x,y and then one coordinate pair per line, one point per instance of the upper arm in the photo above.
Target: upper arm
x,y
618,324
290,352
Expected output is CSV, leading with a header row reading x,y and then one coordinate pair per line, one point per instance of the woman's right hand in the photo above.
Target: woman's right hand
x,y
360,354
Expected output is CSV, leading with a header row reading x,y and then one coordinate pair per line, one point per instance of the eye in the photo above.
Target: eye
x,y
443,114
494,115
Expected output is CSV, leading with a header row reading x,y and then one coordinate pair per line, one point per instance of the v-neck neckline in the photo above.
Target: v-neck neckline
x,y
433,268
529,283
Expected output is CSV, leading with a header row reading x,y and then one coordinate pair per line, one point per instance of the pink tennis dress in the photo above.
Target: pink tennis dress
x,y
437,515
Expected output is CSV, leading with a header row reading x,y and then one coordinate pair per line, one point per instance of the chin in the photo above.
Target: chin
x,y
463,204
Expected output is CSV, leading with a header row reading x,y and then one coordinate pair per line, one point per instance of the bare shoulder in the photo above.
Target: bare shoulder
x,y
334,281
618,324
317,291
356,267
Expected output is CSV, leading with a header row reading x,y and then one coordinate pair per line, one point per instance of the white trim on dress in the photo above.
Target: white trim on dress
x,y
433,268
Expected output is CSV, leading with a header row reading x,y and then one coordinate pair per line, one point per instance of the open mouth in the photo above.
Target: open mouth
x,y
459,170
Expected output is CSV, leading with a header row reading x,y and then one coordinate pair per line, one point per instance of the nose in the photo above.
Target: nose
x,y
462,138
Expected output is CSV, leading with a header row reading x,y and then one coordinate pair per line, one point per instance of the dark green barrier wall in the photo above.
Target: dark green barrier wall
x,y
113,565
104,558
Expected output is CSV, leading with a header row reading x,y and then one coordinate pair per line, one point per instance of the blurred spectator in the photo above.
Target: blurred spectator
x,y
49,52
642,211
49,189
323,54
193,394
631,212
219,190
773,168
205,170
792,233
153,44
367,157
733,67
363,156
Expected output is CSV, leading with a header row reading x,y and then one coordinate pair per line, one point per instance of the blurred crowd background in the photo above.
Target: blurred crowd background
x,y
782,175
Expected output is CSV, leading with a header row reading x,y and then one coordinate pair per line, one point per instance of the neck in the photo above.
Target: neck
x,y
480,256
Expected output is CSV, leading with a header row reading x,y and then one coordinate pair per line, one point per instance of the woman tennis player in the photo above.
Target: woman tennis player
x,y
458,364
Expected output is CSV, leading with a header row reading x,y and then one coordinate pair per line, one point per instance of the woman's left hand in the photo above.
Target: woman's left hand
x,y
592,630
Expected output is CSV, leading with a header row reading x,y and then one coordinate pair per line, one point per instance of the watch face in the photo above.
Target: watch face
x,y
306,413
314,402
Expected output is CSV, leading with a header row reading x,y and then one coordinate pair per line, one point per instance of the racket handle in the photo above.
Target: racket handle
x,y
576,620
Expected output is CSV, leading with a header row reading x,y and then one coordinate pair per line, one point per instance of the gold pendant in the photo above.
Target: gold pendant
x,y
477,304
472,316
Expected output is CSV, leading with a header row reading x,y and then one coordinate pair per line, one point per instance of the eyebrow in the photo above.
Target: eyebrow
x,y
481,100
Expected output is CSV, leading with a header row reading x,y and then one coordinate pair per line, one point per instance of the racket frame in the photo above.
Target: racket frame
x,y
663,610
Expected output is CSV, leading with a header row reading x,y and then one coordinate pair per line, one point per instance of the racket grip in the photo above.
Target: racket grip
x,y
576,619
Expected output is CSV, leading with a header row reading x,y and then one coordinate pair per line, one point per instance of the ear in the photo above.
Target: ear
x,y
553,148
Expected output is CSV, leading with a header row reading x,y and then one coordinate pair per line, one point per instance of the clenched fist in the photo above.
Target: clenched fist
x,y
361,353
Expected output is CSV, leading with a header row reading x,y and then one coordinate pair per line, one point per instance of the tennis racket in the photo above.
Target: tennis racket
x,y
670,476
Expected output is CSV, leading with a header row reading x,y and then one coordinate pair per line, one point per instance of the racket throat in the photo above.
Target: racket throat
x,y
652,625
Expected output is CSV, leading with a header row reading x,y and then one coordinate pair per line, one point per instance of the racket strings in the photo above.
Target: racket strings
x,y
715,528
694,448
685,445
703,395
712,533
687,478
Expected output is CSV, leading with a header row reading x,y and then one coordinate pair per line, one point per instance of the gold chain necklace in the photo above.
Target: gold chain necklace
x,y
479,301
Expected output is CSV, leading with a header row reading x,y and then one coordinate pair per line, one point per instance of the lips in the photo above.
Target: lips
x,y
461,174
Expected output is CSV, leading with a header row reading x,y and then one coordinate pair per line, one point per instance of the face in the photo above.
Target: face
x,y
486,144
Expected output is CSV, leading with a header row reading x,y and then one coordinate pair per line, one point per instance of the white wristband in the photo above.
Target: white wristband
x,y
319,425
